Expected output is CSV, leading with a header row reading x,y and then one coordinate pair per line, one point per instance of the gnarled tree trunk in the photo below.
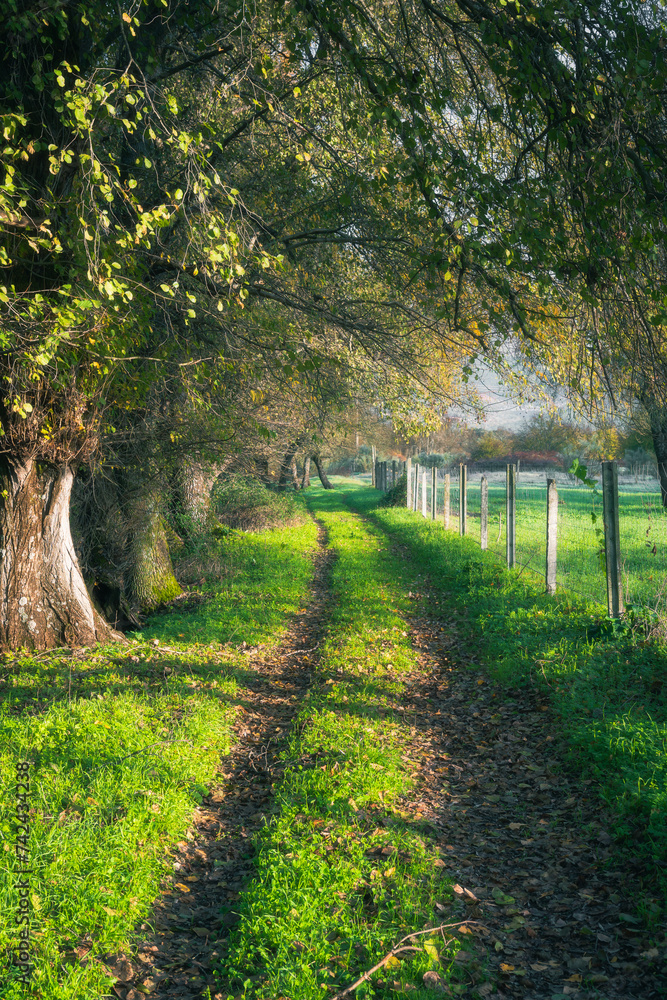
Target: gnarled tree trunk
x,y
321,473
305,480
288,466
152,574
195,480
44,602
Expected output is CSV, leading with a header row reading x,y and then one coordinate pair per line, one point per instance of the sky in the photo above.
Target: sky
x,y
501,409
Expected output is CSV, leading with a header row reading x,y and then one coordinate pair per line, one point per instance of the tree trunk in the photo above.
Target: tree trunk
x,y
288,466
321,473
152,575
305,480
658,420
194,483
44,600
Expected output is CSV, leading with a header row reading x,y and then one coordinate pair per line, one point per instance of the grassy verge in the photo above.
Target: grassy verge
x,y
122,742
609,692
344,870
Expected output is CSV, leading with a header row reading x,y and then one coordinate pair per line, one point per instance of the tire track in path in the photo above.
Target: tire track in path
x,y
196,909
525,842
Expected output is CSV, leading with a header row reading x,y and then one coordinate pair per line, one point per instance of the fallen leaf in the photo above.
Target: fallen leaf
x,y
183,888
392,962
538,967
504,967
433,981
575,978
501,898
432,951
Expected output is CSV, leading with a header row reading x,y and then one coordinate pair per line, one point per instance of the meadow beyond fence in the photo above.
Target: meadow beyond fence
x,y
580,541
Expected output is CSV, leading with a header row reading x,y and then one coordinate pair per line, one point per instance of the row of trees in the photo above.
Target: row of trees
x,y
225,224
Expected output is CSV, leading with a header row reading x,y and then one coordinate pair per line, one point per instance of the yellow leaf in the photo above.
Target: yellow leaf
x,y
504,967
392,962
431,951
183,888
127,18
576,978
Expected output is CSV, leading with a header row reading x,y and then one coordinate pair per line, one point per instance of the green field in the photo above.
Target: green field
x,y
643,525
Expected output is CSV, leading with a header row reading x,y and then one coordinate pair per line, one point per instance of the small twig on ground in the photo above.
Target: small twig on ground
x,y
397,949
295,651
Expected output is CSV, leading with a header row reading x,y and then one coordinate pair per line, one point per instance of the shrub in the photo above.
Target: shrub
x,y
246,503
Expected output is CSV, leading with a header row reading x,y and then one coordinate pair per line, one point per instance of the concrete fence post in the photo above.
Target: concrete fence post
x,y
434,492
612,539
415,497
484,513
408,477
393,473
424,493
446,500
510,516
463,498
552,536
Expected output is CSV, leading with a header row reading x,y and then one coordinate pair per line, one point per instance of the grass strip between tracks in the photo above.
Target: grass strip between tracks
x,y
342,871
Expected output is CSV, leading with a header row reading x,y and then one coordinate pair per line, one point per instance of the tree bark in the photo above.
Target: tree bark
x,y
658,420
305,480
44,602
288,466
195,480
152,574
321,473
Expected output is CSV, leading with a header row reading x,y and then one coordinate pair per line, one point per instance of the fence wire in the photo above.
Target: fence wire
x,y
581,563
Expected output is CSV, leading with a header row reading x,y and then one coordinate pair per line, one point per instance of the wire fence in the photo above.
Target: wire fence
x,y
581,542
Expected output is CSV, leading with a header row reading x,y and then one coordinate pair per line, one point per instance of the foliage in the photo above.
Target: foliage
x,y
397,496
247,503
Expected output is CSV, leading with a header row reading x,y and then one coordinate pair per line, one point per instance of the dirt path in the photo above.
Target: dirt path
x,y
214,864
511,824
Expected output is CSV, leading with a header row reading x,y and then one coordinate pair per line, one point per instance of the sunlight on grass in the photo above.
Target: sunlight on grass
x,y
123,743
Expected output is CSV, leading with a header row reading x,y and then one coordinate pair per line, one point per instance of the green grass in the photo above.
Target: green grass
x,y
609,692
124,740
327,904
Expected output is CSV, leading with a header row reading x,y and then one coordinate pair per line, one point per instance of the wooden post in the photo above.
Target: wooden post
x,y
424,493
416,493
434,492
510,516
612,538
552,535
463,498
446,500
408,476
484,513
